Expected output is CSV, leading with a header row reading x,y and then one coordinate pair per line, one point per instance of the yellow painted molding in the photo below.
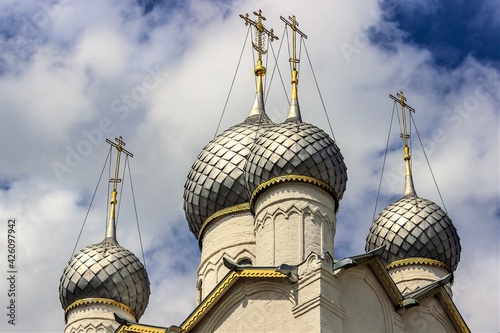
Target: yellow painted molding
x,y
140,329
453,310
379,268
417,261
96,300
294,178
222,288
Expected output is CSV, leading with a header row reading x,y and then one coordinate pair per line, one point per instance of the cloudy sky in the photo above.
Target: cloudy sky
x,y
158,73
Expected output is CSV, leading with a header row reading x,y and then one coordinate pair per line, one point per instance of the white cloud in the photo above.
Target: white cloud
x,y
163,88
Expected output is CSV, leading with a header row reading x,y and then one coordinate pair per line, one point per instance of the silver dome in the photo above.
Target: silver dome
x,y
106,270
414,227
216,178
296,148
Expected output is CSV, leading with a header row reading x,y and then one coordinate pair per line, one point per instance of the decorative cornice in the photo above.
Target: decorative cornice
x,y
389,283
104,301
140,329
222,288
453,310
293,178
417,261
226,211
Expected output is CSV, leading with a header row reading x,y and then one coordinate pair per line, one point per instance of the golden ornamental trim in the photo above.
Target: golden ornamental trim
x,y
96,300
140,329
294,178
389,283
417,261
226,211
261,273
453,309
221,289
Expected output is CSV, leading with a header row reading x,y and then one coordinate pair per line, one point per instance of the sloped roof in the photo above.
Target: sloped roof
x,y
371,259
223,287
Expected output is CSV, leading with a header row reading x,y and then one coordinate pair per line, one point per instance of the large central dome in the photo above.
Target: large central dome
x,y
296,148
216,178
234,164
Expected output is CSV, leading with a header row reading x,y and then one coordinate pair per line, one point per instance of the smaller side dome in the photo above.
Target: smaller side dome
x,y
106,270
296,148
414,227
216,178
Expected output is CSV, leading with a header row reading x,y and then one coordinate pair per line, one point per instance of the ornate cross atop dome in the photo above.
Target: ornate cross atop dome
x,y
260,33
259,70
293,24
401,99
111,226
294,112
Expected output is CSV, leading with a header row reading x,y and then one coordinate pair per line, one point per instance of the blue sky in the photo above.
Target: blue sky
x,y
451,30
74,73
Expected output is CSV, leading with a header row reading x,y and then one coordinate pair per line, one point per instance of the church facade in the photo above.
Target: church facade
x,y
261,199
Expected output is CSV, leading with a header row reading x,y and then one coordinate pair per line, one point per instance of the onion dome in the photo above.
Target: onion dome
x,y
414,230
295,150
414,227
216,179
299,150
106,271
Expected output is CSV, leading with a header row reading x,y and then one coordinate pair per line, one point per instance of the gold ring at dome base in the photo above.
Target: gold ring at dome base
x,y
417,261
293,178
97,300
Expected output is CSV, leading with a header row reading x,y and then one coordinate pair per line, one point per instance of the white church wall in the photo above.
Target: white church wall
x,y
229,236
292,220
263,306
412,277
98,318
366,304
428,317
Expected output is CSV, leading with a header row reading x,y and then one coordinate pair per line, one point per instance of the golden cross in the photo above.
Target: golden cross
x,y
404,135
293,25
111,225
260,32
120,149
402,101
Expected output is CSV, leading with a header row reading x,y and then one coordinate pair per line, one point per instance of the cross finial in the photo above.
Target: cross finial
x,y
294,112
111,229
260,33
293,24
401,100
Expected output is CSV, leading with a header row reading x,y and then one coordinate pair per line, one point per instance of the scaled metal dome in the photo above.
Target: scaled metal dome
x,y
216,178
414,227
106,270
296,148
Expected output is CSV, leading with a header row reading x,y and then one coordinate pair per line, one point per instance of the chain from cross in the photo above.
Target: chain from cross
x,y
119,149
293,24
260,32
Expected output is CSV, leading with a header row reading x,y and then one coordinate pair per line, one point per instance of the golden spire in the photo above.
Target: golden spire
x,y
111,226
294,112
258,45
401,99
